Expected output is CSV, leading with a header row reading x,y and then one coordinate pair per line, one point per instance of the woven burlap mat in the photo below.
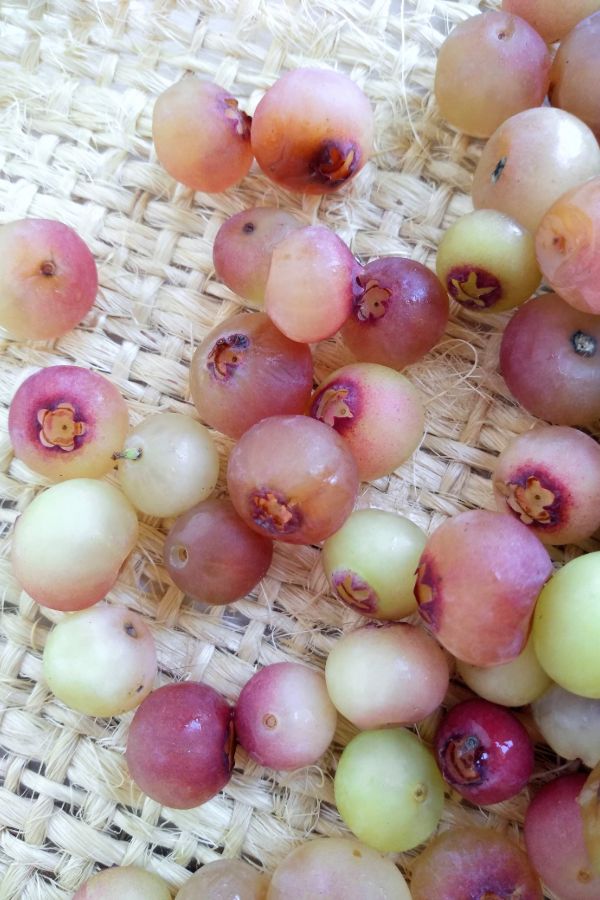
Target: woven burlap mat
x,y
77,83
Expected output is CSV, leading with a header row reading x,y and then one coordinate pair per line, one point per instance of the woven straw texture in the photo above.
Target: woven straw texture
x,y
77,86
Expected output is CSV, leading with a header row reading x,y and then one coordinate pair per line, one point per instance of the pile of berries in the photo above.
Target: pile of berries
x,y
482,583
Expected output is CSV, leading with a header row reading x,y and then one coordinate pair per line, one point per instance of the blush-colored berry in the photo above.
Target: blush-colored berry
x,y
243,248
313,131
484,752
181,744
471,87
66,422
201,136
377,412
244,370
49,279
310,287
284,718
531,160
477,584
473,863
549,479
550,360
399,312
292,479
212,555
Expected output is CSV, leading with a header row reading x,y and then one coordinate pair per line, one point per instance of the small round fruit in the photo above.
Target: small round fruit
x,y
471,87
566,245
313,131
388,789
575,73
66,422
570,725
515,683
473,863
549,478
475,555
531,160
552,19
200,136
213,556
550,360
243,247
386,675
100,661
181,744
293,479
71,541
399,312
487,262
225,879
377,412
370,563
284,718
244,370
484,752
566,626
309,290
124,883
555,843
169,463
336,869
49,279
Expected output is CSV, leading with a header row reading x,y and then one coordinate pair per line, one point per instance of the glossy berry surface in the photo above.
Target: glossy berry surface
x,y
531,160
243,247
339,869
244,370
309,290
66,422
471,89
313,131
225,879
555,843
550,360
169,462
484,752
49,279
377,412
293,479
212,555
370,563
124,883
549,478
200,135
181,744
71,541
399,312
566,244
566,626
551,19
388,789
284,718
101,661
480,554
387,675
487,262
575,73
473,863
